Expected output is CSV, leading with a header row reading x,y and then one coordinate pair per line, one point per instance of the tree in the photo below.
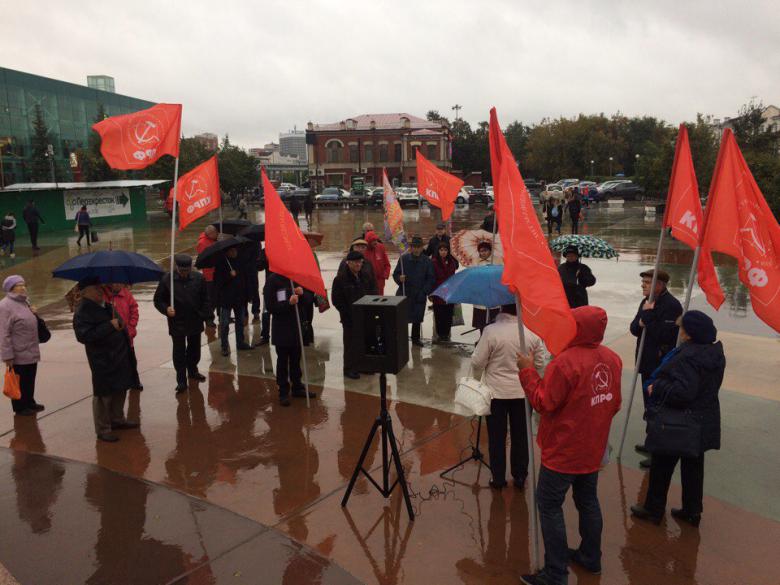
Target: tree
x,y
238,170
435,116
40,169
93,166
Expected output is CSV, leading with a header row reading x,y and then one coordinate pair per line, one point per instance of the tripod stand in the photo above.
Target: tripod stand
x,y
476,454
385,423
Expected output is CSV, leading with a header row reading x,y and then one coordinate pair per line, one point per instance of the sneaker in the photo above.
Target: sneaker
x,y
576,559
539,578
108,437
681,514
644,514
197,376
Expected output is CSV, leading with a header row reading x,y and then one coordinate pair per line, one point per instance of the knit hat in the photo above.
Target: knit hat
x,y
355,255
11,282
699,327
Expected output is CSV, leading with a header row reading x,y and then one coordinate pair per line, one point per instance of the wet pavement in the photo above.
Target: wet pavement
x,y
221,485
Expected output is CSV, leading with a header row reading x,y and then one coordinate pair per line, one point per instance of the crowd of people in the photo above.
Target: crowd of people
x,y
576,392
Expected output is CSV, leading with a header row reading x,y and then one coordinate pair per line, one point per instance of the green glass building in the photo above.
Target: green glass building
x,y
69,111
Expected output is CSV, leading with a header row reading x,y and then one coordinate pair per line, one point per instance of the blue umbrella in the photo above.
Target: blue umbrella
x,y
110,266
480,285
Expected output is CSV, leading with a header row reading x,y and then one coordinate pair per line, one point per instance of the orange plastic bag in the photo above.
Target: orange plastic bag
x,y
11,387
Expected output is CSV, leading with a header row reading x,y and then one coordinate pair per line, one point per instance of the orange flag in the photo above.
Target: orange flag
x,y
135,141
438,187
529,269
684,215
198,192
739,223
288,252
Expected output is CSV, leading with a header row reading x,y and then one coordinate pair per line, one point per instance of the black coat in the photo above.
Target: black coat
x,y
574,284
190,302
661,328
276,296
420,282
31,215
108,350
366,270
348,288
230,291
690,381
433,244
575,207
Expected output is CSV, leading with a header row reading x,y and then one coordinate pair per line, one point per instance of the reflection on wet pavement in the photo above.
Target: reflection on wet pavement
x,y
222,485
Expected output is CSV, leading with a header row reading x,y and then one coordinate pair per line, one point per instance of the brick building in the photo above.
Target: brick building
x,y
363,145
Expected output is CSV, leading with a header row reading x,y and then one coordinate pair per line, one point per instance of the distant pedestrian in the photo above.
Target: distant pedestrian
x,y
295,207
125,305
9,234
367,227
688,380
350,285
376,255
308,209
444,266
32,217
577,399
574,205
243,207
659,318
19,347
185,318
553,210
230,296
576,277
83,224
415,279
440,237
208,238
108,352
281,298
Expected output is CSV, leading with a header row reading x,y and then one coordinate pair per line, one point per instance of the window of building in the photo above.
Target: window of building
x,y
333,149
432,152
368,154
383,153
397,153
354,156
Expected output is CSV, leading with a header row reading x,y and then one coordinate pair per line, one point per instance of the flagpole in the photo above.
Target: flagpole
x,y
530,438
650,299
493,253
403,280
220,214
173,221
691,284
303,349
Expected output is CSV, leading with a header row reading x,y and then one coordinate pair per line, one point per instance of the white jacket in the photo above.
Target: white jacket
x,y
496,354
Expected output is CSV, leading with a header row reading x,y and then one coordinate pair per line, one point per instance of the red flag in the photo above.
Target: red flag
x,y
684,215
439,187
198,192
739,223
529,269
288,252
134,141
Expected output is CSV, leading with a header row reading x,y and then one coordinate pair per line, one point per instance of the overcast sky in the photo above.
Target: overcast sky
x,y
257,68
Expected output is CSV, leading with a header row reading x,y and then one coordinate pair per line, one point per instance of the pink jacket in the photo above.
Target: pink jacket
x,y
18,331
126,307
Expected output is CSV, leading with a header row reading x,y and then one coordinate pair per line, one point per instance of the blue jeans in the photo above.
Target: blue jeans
x,y
551,492
239,315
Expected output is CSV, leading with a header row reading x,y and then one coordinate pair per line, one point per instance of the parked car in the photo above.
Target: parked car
x,y
552,190
407,196
463,195
534,187
289,187
479,196
626,190
376,197
332,195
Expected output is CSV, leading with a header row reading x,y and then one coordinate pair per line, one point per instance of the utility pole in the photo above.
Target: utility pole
x,y
457,108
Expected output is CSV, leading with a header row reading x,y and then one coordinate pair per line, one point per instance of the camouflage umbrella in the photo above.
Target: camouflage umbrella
x,y
588,246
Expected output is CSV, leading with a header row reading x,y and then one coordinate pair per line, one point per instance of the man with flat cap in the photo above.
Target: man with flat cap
x,y
439,238
186,317
659,320
107,344
350,284
416,280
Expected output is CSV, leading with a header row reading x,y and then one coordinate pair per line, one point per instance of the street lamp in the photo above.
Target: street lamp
x,y
636,165
591,169
610,166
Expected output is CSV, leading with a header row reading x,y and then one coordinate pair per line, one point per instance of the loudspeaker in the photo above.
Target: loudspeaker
x,y
381,332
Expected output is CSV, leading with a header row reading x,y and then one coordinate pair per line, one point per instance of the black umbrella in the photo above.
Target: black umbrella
x,y
232,226
209,257
254,232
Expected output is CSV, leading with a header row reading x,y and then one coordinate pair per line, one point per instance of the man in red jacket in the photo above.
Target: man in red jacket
x,y
577,398
206,239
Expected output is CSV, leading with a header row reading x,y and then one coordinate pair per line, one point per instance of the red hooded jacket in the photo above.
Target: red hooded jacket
x,y
577,398
204,242
376,255
126,307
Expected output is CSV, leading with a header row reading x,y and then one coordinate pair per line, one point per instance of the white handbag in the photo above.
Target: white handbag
x,y
474,395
